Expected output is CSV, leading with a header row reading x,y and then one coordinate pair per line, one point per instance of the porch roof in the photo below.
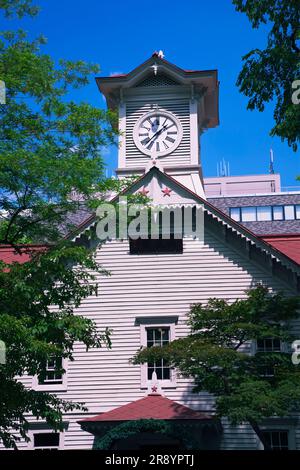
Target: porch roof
x,y
153,406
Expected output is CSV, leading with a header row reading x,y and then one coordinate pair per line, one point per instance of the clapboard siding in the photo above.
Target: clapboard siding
x,y
134,110
149,285
239,437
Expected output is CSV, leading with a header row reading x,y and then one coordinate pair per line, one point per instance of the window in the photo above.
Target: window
x,y
157,331
268,345
277,440
46,441
235,213
248,214
289,213
52,378
155,246
278,213
264,213
52,374
158,337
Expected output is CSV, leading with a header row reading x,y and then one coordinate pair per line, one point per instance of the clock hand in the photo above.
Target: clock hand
x,y
163,127
156,134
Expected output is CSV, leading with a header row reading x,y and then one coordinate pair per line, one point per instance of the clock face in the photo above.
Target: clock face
x,y
157,133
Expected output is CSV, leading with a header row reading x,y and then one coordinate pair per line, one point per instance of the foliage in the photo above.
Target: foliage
x,y
268,74
50,148
122,431
216,355
18,8
33,330
130,428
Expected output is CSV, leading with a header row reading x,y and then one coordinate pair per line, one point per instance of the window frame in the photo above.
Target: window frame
x,y
289,429
249,207
279,431
239,211
264,207
281,425
293,210
48,386
282,206
145,383
282,346
163,363
255,350
282,211
32,432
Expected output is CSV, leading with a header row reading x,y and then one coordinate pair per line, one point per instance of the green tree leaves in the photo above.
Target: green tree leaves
x,y
50,156
218,354
268,74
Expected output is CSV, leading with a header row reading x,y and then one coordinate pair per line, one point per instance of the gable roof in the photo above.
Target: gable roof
x,y
202,82
155,58
153,406
210,209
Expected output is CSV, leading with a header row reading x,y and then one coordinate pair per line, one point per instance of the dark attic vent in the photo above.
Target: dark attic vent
x,y
157,80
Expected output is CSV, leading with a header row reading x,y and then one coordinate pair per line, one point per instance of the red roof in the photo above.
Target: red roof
x,y
153,406
9,254
289,245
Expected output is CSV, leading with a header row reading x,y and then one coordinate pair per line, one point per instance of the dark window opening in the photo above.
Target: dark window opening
x,y
268,345
156,246
277,440
46,440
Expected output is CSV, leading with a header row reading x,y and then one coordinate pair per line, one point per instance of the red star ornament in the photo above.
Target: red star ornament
x,y
144,192
167,191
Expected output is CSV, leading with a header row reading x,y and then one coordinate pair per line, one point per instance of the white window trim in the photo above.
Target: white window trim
x,y
31,433
144,367
48,387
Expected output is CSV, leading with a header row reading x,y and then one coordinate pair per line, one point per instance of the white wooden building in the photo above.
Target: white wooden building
x,y
163,110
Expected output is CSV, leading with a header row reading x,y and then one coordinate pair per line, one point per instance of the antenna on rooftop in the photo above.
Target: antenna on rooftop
x,y
223,168
271,167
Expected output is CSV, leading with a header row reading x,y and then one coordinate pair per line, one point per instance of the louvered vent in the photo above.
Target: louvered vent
x,y
157,80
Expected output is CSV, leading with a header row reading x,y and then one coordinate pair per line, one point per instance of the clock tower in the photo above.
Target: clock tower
x,y
163,110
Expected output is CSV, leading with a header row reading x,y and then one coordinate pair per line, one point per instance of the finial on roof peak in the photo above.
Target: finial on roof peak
x,y
159,54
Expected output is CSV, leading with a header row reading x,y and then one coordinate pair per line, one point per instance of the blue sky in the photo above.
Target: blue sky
x,y
194,34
